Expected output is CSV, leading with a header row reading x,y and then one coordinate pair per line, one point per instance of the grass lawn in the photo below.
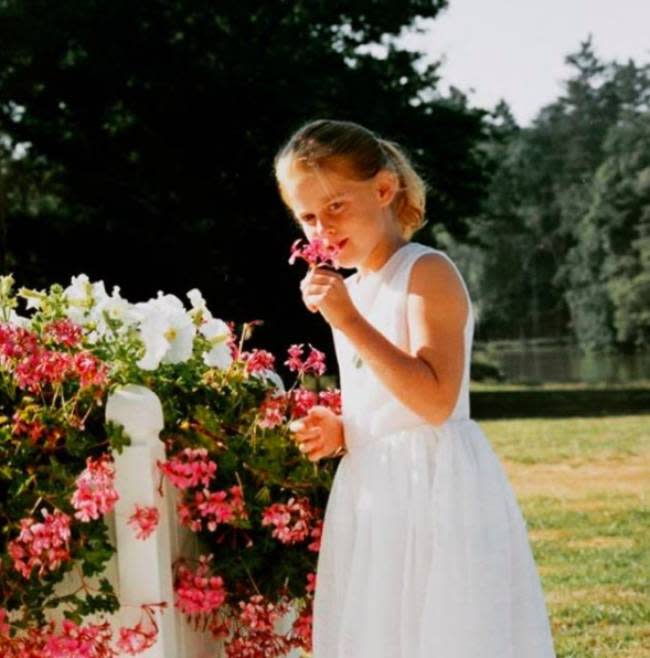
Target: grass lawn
x,y
584,488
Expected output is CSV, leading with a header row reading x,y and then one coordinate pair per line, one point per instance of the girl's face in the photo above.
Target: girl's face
x,y
352,214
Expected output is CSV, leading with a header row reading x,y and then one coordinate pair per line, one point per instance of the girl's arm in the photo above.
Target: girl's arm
x,y
427,380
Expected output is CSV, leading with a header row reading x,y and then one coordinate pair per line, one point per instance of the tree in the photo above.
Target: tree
x,y
160,120
536,227
610,265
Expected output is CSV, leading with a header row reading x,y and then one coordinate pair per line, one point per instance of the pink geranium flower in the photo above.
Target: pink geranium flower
x,y
189,468
207,509
95,494
45,544
272,411
64,332
197,591
314,363
258,360
331,398
144,520
291,520
302,400
314,253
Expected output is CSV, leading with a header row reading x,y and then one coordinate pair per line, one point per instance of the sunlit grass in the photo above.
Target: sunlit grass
x,y
584,488
578,440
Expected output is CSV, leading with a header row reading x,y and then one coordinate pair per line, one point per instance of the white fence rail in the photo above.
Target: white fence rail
x,y
141,570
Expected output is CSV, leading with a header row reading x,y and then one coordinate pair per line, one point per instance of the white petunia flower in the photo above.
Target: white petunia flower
x,y
166,330
82,295
199,312
218,333
116,308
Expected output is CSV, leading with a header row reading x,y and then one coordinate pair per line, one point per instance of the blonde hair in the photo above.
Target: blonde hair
x,y
360,154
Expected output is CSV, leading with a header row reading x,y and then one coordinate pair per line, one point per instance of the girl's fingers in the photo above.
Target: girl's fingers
x,y
313,300
308,435
315,290
311,445
322,276
302,424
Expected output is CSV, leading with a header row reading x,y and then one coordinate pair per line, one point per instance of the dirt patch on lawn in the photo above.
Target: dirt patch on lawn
x,y
548,534
628,476
602,542
601,594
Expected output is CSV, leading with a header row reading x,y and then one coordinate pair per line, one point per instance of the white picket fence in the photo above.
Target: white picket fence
x,y
141,570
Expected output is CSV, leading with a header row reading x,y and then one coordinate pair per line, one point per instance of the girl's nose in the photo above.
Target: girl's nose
x,y
322,229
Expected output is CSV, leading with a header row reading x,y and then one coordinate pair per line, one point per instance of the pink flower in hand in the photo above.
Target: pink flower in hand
x,y
314,253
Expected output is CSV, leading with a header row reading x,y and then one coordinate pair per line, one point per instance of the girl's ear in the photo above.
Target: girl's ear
x,y
386,185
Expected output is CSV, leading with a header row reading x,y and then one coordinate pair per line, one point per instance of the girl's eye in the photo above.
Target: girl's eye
x,y
337,205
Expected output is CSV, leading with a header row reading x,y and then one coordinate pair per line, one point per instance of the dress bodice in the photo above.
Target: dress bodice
x,y
369,409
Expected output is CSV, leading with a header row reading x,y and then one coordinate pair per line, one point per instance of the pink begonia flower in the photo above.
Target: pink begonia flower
x,y
291,520
331,398
33,429
189,468
44,544
302,400
16,342
196,591
137,639
272,411
90,641
90,370
294,362
34,367
144,520
95,494
207,509
255,635
258,360
316,533
302,629
311,582
314,363
63,332
4,626
42,367
314,253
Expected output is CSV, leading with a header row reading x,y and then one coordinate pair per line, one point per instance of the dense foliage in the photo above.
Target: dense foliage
x,y
564,231
254,499
152,126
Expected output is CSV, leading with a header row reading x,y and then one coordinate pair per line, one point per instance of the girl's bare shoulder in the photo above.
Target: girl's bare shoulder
x,y
435,279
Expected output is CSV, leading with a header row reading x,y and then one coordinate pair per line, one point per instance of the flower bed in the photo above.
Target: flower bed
x,y
253,499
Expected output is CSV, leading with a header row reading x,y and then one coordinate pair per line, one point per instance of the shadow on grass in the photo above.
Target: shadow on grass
x,y
559,403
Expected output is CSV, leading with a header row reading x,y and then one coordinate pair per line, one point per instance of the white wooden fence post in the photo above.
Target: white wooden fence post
x,y
144,566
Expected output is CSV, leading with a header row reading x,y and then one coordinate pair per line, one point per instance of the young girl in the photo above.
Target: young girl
x,y
424,551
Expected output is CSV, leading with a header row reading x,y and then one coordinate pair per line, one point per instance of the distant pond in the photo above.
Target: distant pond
x,y
528,362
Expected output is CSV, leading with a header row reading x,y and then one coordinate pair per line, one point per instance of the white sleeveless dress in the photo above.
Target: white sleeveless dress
x,y
424,551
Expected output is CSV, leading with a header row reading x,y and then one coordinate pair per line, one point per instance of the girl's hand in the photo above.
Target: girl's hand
x,y
319,433
325,291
